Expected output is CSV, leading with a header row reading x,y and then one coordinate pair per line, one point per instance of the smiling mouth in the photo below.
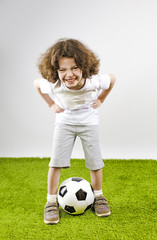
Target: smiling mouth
x,y
70,80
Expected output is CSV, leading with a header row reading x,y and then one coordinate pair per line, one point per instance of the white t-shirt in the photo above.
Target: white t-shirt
x,y
77,103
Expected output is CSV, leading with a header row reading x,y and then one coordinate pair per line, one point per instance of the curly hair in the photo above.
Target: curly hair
x,y
84,58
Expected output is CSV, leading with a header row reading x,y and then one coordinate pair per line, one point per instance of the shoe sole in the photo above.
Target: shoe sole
x,y
51,222
103,215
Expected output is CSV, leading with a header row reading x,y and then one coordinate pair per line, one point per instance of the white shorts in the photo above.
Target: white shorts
x,y
63,142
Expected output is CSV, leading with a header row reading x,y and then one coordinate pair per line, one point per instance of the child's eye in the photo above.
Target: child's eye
x,y
75,67
61,70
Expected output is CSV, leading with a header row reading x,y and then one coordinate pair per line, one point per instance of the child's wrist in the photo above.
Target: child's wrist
x,y
101,100
50,104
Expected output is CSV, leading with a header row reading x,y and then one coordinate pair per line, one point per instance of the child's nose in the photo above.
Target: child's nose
x,y
69,73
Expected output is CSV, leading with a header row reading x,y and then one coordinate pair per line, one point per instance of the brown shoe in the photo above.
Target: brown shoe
x,y
101,207
51,214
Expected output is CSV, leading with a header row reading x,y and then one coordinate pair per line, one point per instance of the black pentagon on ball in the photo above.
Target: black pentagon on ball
x,y
77,179
62,191
69,209
81,195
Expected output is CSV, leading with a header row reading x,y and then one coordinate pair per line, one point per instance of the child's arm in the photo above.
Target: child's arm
x,y
55,108
104,92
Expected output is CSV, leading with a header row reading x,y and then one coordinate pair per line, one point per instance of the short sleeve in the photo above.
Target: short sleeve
x,y
45,86
104,80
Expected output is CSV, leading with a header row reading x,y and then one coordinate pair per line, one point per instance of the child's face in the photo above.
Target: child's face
x,y
70,74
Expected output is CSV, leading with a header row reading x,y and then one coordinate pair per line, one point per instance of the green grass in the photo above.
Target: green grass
x,y
129,185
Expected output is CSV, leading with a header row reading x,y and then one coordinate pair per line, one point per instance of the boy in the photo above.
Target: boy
x,y
74,90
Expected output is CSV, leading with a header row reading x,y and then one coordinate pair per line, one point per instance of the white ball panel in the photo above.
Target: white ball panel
x,y
70,199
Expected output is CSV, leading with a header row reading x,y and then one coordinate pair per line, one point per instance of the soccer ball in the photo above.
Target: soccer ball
x,y
75,195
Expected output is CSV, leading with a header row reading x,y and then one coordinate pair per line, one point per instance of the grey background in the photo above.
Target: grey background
x,y
124,35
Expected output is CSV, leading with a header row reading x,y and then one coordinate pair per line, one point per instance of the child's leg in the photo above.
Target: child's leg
x,y
100,204
53,180
51,215
96,179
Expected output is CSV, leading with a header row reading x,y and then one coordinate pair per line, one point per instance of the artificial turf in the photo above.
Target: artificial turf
x,y
129,185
